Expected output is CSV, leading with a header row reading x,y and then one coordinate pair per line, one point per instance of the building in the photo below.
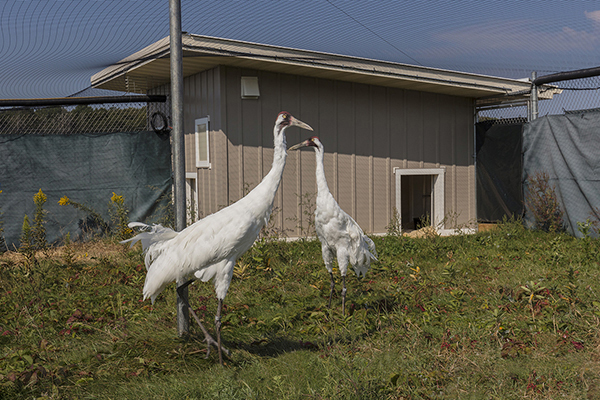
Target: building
x,y
397,137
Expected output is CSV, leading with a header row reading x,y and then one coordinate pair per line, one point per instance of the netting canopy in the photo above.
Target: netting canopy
x,y
87,169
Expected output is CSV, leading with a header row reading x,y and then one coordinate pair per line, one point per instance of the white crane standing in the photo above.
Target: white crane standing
x,y
210,247
339,234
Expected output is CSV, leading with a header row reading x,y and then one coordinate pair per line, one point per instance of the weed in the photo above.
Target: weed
x,y
119,215
394,228
305,224
543,203
38,230
93,225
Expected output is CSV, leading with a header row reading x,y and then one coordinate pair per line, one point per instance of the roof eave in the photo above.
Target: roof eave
x,y
132,73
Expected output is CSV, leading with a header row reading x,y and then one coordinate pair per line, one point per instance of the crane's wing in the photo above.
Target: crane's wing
x,y
362,249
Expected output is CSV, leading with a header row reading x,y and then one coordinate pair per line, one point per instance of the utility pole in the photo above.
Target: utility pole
x,y
183,317
533,99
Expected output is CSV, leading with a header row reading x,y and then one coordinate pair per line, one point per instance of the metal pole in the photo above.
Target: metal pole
x,y
533,112
183,318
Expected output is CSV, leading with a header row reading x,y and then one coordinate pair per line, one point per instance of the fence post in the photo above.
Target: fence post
x,y
533,99
183,318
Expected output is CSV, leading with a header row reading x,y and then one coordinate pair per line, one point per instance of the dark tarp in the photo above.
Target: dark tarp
x,y
567,148
85,168
499,171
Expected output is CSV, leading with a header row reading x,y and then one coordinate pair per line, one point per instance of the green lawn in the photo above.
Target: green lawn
x,y
504,314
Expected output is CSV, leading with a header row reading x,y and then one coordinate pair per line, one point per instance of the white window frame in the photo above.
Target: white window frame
x,y
437,192
200,137
191,194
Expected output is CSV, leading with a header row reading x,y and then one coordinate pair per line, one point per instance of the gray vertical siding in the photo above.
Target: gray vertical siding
x,y
367,131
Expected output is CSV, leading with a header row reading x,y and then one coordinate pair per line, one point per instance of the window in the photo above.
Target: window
x,y
202,143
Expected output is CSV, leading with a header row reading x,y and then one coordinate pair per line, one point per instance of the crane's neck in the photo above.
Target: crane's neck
x,y
267,188
321,180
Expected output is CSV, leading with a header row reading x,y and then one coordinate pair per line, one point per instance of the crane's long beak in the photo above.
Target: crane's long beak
x,y
300,124
304,143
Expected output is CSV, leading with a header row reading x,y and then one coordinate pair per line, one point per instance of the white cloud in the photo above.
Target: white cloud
x,y
522,35
593,15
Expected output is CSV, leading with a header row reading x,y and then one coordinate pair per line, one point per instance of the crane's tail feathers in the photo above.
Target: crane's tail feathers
x,y
372,249
363,255
153,234
138,225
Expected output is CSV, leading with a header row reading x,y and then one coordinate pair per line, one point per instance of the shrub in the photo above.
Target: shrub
x,y
542,202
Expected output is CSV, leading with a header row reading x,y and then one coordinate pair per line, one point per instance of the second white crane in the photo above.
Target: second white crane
x,y
340,236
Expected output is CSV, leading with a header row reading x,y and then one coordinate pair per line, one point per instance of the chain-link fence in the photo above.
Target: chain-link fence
x,y
576,95
85,118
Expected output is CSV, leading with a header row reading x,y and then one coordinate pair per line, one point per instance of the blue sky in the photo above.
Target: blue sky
x,y
52,48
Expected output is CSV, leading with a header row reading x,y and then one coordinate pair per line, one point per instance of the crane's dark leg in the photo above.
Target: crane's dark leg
x,y
343,294
332,287
207,338
218,329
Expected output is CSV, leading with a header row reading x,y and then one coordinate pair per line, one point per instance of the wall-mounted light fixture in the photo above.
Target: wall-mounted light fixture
x,y
250,87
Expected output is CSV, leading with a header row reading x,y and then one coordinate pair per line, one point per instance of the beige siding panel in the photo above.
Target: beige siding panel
x,y
219,144
201,92
381,194
190,151
447,131
230,85
430,129
414,127
363,191
269,108
327,131
331,169
290,101
346,195
345,177
462,194
251,139
397,124
309,113
381,139
363,148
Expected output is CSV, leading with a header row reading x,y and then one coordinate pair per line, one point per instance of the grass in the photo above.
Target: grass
x,y
503,314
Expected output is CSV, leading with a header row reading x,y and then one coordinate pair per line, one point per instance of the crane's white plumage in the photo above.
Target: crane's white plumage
x,y
209,248
340,236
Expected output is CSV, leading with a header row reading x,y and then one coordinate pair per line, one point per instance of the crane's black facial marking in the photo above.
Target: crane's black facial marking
x,y
312,142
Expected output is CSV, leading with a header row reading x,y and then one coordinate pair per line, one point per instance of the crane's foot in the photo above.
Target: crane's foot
x,y
209,340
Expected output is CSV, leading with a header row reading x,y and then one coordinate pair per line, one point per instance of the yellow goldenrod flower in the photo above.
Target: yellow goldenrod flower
x,y
64,201
40,197
116,198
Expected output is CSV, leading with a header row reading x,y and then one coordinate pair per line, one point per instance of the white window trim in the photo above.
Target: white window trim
x,y
193,176
437,192
198,137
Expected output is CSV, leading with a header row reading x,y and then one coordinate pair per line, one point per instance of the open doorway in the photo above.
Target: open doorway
x,y
420,197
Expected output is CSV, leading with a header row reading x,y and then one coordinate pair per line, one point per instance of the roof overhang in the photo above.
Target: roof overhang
x,y
150,68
